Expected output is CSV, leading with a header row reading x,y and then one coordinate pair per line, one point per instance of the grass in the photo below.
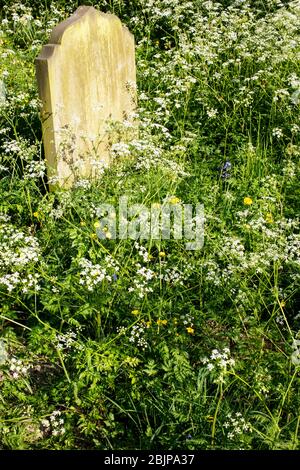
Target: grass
x,y
124,344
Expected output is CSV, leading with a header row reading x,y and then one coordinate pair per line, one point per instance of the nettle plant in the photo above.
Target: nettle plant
x,y
119,344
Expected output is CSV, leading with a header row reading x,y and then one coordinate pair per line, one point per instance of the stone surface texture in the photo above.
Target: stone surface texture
x,y
86,77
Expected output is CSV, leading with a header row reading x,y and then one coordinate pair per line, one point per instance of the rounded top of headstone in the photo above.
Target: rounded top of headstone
x,y
59,30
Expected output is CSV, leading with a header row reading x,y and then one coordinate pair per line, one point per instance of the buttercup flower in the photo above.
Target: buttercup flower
x,y
190,330
161,322
248,201
174,200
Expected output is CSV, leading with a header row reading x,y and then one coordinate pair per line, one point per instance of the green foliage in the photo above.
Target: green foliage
x,y
118,344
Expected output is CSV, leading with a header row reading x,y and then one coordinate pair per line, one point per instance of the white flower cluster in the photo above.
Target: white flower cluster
x,y
12,146
120,149
57,213
164,164
18,251
137,336
277,132
4,217
149,155
211,113
21,147
279,94
292,249
294,81
295,129
187,319
34,169
233,247
26,152
262,380
219,360
16,248
94,274
82,183
213,273
236,425
121,330
65,341
18,369
98,166
141,282
55,424
172,276
142,251
11,281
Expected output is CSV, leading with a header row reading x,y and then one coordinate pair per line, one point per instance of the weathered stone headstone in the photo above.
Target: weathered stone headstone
x,y
86,77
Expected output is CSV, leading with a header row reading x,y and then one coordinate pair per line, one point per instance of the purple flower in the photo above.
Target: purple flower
x,y
227,165
225,170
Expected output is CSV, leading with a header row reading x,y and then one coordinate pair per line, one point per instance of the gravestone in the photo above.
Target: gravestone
x,y
86,78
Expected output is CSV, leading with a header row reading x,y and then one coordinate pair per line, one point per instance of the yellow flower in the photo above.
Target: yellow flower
x,y
190,330
94,236
162,254
282,304
36,214
82,223
148,324
97,224
108,235
248,201
269,218
135,312
161,322
174,200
